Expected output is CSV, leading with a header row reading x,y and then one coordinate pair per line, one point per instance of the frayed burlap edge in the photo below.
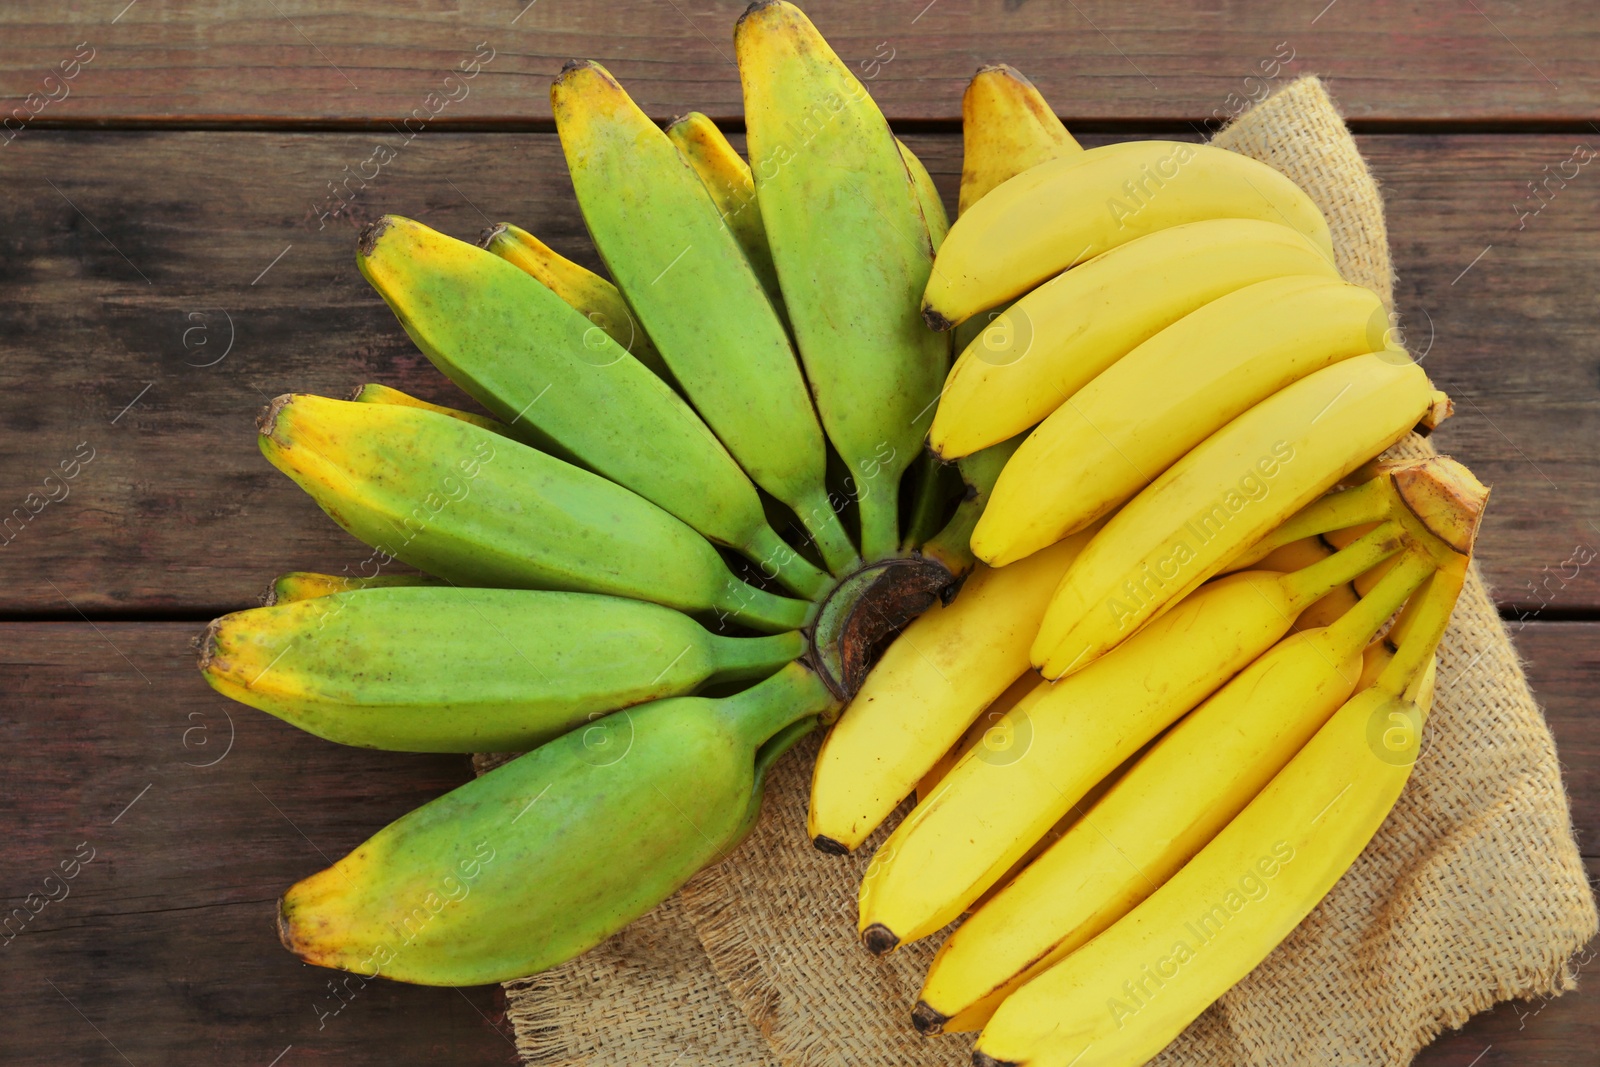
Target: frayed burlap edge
x,y
1472,893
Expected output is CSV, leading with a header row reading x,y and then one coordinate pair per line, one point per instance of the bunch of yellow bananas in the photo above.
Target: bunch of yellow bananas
x,y
1187,681
1153,724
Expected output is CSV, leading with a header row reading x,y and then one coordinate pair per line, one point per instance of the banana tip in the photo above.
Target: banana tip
x,y
824,843
927,1020
367,243
267,420
983,1059
205,644
490,233
755,8
879,939
935,319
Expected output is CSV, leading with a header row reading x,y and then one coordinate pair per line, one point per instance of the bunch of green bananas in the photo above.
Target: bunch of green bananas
x,y
1175,690
1168,623
629,561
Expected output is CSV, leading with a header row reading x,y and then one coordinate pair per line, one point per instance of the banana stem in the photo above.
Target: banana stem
x,y
764,710
827,533
741,659
1371,501
777,560
1355,629
1421,627
1310,584
880,517
952,545
761,610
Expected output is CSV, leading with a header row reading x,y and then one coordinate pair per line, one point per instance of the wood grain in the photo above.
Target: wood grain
x,y
165,941
198,812
163,286
297,61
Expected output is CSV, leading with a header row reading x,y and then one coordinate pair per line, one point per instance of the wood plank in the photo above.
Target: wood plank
x,y
1097,59
133,259
197,813
165,941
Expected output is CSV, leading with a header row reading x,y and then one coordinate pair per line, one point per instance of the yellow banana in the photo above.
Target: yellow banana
x,y
1069,210
1054,341
1148,409
998,801
931,683
1125,995
1163,811
727,178
1227,493
580,287
1006,128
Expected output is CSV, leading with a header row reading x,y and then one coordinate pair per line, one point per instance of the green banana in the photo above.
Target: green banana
x,y
726,177
980,470
373,393
588,293
508,341
468,670
928,199
547,856
852,250
471,507
686,277
307,585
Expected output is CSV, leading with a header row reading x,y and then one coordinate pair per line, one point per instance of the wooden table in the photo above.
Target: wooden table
x,y
182,193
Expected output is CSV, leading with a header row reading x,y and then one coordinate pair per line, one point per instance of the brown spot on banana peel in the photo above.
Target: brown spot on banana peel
x,y
205,644
927,1021
1439,408
879,939
759,5
825,844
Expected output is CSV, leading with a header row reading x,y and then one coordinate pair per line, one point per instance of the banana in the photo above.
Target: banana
x,y
928,687
998,801
548,855
688,280
1007,127
1146,410
307,585
581,288
1303,553
852,250
952,546
1069,210
726,176
468,670
373,393
1225,494
1051,343
1163,811
471,507
508,341
977,733
928,199
1125,995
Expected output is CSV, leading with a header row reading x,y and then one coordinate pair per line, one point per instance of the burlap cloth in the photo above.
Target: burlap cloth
x,y
1473,891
